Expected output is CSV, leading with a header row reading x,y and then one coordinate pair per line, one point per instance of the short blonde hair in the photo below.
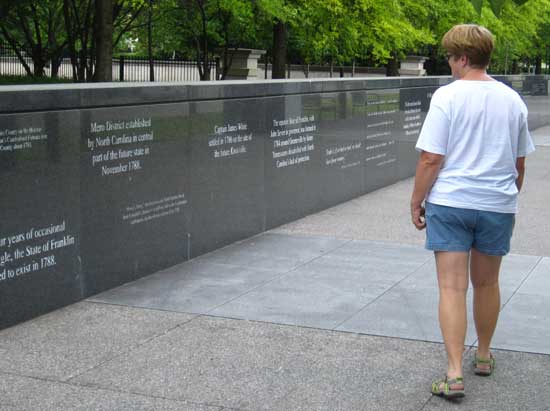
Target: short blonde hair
x,y
472,41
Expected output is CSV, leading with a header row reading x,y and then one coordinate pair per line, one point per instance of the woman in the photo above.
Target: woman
x,y
473,145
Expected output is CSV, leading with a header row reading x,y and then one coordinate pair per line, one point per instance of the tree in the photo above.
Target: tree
x,y
279,16
78,16
82,31
216,27
520,34
496,5
343,30
35,27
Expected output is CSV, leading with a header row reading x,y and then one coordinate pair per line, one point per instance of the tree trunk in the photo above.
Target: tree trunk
x,y
515,67
538,65
150,41
104,40
15,48
70,38
56,63
279,50
392,67
204,49
39,64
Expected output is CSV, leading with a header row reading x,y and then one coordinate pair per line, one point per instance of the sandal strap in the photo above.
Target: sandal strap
x,y
457,380
446,382
490,360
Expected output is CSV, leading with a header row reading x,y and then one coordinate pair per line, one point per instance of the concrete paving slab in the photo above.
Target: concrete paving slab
x,y
257,366
515,269
392,258
404,313
541,136
306,299
370,272
524,325
538,283
518,383
31,394
257,261
282,245
76,338
273,251
193,287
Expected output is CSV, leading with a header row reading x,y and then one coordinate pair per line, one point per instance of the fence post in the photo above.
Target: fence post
x,y
218,69
121,68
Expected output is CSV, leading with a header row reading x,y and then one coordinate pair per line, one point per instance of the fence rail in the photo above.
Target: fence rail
x,y
136,69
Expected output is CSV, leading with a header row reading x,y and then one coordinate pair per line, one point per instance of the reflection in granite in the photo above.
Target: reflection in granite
x,y
134,192
226,172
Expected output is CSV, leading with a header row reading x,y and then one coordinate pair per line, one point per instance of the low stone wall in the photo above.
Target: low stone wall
x,y
103,184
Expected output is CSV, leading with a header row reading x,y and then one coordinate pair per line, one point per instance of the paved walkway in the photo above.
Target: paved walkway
x,y
337,311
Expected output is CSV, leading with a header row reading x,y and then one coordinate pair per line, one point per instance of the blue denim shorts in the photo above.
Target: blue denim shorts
x,y
460,229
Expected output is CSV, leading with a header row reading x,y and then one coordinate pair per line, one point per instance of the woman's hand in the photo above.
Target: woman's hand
x,y
417,215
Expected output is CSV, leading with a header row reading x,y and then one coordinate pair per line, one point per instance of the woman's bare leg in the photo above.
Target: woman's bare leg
x,y
484,271
452,274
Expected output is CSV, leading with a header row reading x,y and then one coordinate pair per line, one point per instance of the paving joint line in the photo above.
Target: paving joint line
x,y
101,388
426,403
330,330
96,387
126,351
384,293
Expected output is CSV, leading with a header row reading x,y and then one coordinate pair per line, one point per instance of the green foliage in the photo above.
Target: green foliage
x,y
341,31
496,5
319,31
521,33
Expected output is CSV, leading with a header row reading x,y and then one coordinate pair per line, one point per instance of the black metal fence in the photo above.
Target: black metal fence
x,y
124,68
138,69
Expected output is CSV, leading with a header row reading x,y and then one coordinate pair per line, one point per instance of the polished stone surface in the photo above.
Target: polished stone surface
x,y
68,96
140,178
135,178
40,225
226,163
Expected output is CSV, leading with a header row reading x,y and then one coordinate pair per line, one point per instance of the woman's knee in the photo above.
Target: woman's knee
x,y
485,282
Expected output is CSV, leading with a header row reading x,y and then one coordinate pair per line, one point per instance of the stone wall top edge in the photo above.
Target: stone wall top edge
x,y
25,98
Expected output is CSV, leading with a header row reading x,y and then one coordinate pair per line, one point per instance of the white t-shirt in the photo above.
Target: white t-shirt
x,y
481,129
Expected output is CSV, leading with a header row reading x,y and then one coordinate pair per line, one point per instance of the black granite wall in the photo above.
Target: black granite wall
x,y
103,184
